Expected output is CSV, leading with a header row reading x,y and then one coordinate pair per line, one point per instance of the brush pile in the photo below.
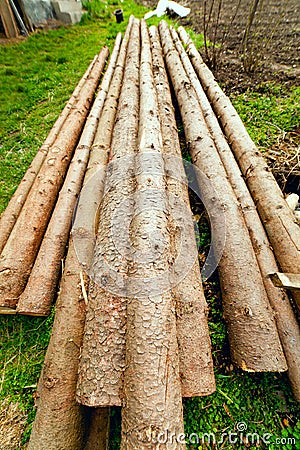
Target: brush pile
x,y
130,325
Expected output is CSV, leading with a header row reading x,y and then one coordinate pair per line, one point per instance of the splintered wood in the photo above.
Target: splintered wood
x,y
131,320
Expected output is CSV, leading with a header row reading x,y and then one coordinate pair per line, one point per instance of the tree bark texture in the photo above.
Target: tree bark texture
x,y
195,359
12,211
279,221
42,283
253,337
103,353
286,321
21,248
152,391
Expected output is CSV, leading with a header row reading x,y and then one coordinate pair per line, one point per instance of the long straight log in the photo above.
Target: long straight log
x,y
279,221
103,352
286,321
59,418
253,337
12,211
195,359
21,248
152,391
60,422
40,289
85,226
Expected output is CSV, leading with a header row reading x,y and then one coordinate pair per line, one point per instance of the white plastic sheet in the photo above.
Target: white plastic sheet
x,y
164,5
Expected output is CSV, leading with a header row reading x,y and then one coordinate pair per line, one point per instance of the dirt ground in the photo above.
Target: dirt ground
x,y
272,55
273,50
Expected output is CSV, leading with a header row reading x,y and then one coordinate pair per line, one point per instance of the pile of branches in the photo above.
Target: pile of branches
x,y
130,325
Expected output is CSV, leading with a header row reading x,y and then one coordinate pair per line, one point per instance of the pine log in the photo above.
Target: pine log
x,y
12,211
21,248
195,359
58,415
86,219
60,421
286,321
103,352
279,221
152,392
253,337
40,290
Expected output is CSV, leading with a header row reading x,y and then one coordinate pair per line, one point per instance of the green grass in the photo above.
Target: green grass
x,y
37,77
269,112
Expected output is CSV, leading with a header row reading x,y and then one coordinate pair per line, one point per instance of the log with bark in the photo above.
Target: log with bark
x,y
286,321
12,211
253,337
40,290
103,352
21,248
195,359
279,222
152,393
85,227
60,421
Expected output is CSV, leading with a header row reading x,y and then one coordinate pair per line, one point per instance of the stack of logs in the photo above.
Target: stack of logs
x,y
130,325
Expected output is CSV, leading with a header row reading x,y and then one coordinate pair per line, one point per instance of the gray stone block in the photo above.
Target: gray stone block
x,y
68,11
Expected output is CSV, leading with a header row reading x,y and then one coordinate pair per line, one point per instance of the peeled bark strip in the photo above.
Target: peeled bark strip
x,y
286,322
103,353
41,286
21,248
152,391
86,220
253,337
195,359
60,421
12,211
277,218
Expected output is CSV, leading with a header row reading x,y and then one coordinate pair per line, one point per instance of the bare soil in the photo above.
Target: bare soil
x,y
273,50
272,54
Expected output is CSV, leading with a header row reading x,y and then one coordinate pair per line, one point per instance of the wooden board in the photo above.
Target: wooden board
x,y
8,19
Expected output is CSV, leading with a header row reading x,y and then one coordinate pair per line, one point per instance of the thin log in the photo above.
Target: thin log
x,y
195,359
279,221
60,421
12,211
85,227
40,290
103,352
21,248
253,337
152,392
286,321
